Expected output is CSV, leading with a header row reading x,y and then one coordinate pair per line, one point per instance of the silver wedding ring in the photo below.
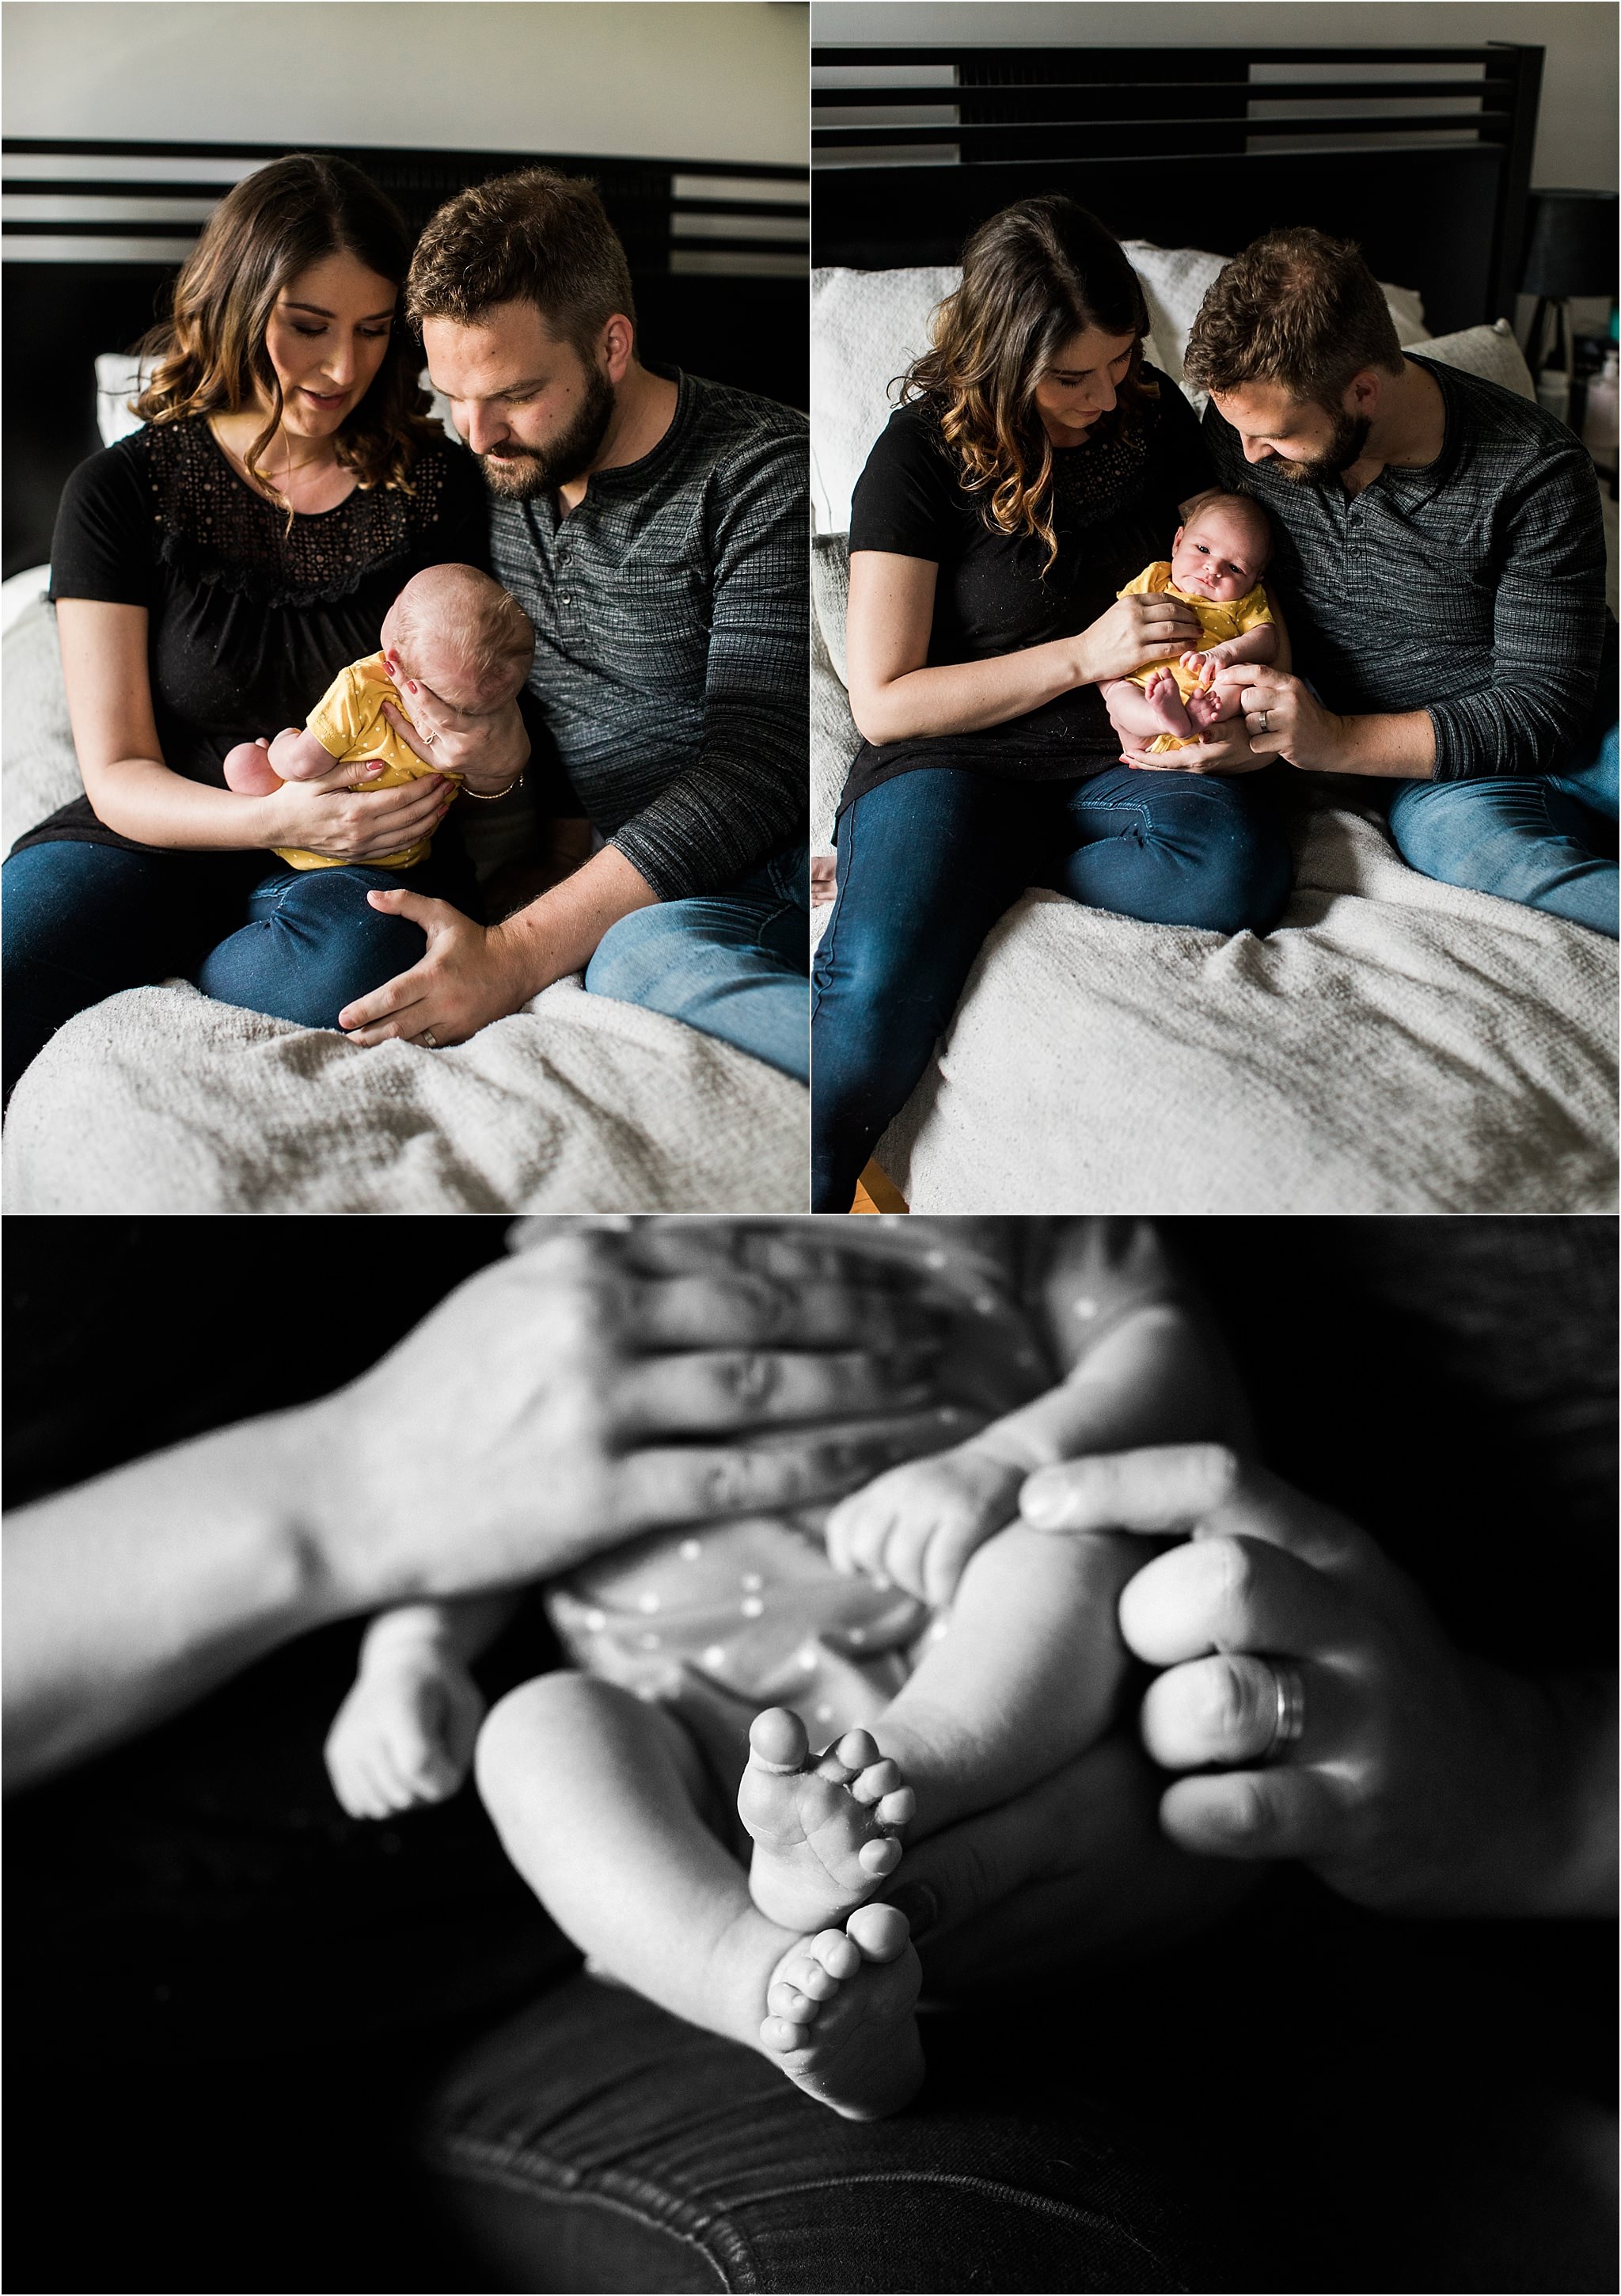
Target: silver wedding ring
x,y
429,1040
1290,1720
1266,721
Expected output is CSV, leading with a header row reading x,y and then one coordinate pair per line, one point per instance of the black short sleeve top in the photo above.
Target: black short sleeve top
x,y
1115,507
252,614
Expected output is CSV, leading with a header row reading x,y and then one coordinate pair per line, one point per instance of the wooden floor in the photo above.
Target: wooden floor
x,y
876,1192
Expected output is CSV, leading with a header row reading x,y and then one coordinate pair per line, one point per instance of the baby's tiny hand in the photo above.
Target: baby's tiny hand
x,y
405,1735
918,1523
1201,666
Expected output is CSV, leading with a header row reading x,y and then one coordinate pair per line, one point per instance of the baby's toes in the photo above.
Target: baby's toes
x,y
879,1932
882,1789
878,1779
777,1742
847,1757
798,1991
879,1857
898,1808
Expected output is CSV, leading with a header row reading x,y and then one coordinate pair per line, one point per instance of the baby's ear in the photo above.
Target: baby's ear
x,y
1176,540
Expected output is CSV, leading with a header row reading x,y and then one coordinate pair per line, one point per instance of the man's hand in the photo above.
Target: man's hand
x,y
471,975
1417,1779
1285,720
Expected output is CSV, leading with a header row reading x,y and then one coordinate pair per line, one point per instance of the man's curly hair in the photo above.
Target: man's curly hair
x,y
534,237
1296,308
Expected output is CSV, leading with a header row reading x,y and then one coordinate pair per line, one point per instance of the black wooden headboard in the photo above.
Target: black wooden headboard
x,y
94,233
1422,155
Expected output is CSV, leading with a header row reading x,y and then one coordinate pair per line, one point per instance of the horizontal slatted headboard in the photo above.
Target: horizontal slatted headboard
x,y
92,233
1423,155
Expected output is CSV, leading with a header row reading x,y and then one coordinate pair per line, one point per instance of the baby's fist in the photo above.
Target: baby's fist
x,y
918,1523
405,1735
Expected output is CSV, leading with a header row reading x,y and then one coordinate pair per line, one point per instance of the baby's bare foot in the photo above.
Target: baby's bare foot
x,y
1165,704
822,1830
1212,707
248,770
841,2020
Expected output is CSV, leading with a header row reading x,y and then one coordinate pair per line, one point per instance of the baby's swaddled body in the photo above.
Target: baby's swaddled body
x,y
719,1622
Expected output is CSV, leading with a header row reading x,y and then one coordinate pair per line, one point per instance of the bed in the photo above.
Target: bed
x,y
160,1100
1395,1045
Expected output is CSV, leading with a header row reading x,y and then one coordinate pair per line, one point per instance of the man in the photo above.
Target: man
x,y
1440,549
653,527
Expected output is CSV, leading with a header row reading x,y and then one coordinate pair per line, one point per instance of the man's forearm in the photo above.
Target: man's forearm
x,y
131,1595
559,933
1397,745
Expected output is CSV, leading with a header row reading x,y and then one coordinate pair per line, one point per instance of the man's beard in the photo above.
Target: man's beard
x,y
518,474
1344,444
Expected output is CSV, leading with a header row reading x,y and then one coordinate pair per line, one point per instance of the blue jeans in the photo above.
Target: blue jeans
x,y
731,964
1537,839
84,921
929,861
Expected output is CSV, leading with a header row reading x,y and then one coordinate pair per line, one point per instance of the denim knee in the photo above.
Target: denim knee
x,y
631,955
1496,836
314,945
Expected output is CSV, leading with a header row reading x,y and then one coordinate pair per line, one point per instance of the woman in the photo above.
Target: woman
x,y
1035,465
212,573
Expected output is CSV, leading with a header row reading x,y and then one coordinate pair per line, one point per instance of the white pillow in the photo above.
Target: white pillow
x,y
118,379
867,327
1491,352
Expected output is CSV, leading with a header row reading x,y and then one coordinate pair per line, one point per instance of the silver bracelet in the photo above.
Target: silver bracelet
x,y
489,797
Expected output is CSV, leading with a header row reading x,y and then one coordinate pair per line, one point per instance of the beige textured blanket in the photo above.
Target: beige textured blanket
x,y
161,1100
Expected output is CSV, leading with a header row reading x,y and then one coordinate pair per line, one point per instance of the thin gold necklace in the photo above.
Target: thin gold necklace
x,y
273,478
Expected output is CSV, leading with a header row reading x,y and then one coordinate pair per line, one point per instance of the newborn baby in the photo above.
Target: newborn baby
x,y
1215,565
453,633
944,1653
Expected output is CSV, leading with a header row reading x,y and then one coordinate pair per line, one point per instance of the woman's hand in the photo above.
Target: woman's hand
x,y
586,1391
1414,1778
602,1384
1134,632
345,823
488,752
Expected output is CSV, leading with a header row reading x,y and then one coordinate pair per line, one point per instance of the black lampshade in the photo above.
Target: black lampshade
x,y
1570,244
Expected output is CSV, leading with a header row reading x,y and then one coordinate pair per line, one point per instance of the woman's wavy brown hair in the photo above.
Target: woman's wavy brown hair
x,y
1035,276
208,355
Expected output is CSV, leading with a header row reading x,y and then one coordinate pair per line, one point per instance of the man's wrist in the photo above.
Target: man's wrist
x,y
517,946
1550,1786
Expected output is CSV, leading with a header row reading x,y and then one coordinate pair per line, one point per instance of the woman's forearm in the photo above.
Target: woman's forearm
x,y
131,1595
143,799
967,696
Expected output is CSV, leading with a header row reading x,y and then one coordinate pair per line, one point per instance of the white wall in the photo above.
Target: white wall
x,y
1575,143
719,81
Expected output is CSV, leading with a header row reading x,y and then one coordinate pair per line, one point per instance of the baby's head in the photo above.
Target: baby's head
x,y
1222,547
462,636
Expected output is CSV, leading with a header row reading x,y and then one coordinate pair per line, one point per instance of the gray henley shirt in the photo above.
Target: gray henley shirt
x,y
671,629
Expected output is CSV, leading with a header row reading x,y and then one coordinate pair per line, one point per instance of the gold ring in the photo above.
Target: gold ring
x,y
429,1040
